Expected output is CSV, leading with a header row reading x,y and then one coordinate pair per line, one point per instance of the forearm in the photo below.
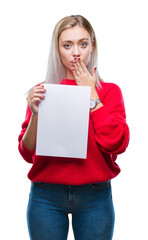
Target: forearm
x,y
29,138
111,130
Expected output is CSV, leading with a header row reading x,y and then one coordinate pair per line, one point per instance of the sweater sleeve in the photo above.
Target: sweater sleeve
x,y
25,152
111,130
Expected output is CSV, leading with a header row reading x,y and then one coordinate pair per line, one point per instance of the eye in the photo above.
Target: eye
x,y
84,44
66,46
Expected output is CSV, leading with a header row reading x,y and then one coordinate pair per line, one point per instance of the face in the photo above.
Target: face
x,y
74,42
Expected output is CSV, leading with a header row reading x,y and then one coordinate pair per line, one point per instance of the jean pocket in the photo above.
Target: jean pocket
x,y
100,185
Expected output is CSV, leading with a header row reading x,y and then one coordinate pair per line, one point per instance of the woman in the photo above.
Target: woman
x,y
82,187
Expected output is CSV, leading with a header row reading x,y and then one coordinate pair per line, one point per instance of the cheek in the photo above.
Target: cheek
x,y
87,58
64,60
63,56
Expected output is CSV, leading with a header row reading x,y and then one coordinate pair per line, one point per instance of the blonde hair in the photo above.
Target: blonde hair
x,y
56,69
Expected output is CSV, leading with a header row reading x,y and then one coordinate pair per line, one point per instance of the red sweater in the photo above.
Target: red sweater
x,y
108,136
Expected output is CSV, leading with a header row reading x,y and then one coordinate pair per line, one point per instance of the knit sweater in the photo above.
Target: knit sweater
x,y
108,136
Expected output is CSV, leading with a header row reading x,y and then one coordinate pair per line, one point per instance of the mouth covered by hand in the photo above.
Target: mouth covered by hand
x,y
82,75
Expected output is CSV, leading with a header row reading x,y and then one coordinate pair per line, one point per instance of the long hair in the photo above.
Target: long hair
x,y
56,70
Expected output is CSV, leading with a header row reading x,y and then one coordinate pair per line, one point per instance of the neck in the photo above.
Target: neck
x,y
69,75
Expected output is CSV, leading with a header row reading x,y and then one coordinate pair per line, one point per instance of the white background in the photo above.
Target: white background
x,y
121,29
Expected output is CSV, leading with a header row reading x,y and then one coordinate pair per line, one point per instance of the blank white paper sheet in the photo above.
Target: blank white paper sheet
x,y
63,120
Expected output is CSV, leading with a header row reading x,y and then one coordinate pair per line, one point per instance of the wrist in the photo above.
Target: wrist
x,y
99,105
94,94
34,118
34,115
95,97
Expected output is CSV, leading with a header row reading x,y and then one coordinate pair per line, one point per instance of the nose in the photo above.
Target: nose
x,y
76,55
76,52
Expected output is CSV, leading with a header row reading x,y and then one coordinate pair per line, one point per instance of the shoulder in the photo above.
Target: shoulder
x,y
109,90
109,86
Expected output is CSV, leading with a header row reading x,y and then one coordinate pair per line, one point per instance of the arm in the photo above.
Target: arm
x,y
27,137
24,151
111,130
109,118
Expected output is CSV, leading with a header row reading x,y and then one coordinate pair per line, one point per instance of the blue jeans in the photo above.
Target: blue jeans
x,y
91,207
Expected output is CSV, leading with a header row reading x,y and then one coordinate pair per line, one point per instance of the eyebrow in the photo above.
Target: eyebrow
x,y
69,41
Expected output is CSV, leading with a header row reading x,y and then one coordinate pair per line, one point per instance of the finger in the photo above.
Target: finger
x,y
84,68
37,88
76,70
36,91
33,89
74,73
40,90
36,100
35,96
78,67
33,101
38,95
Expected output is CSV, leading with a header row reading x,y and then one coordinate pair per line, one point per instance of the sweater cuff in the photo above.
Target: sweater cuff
x,y
25,152
100,116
